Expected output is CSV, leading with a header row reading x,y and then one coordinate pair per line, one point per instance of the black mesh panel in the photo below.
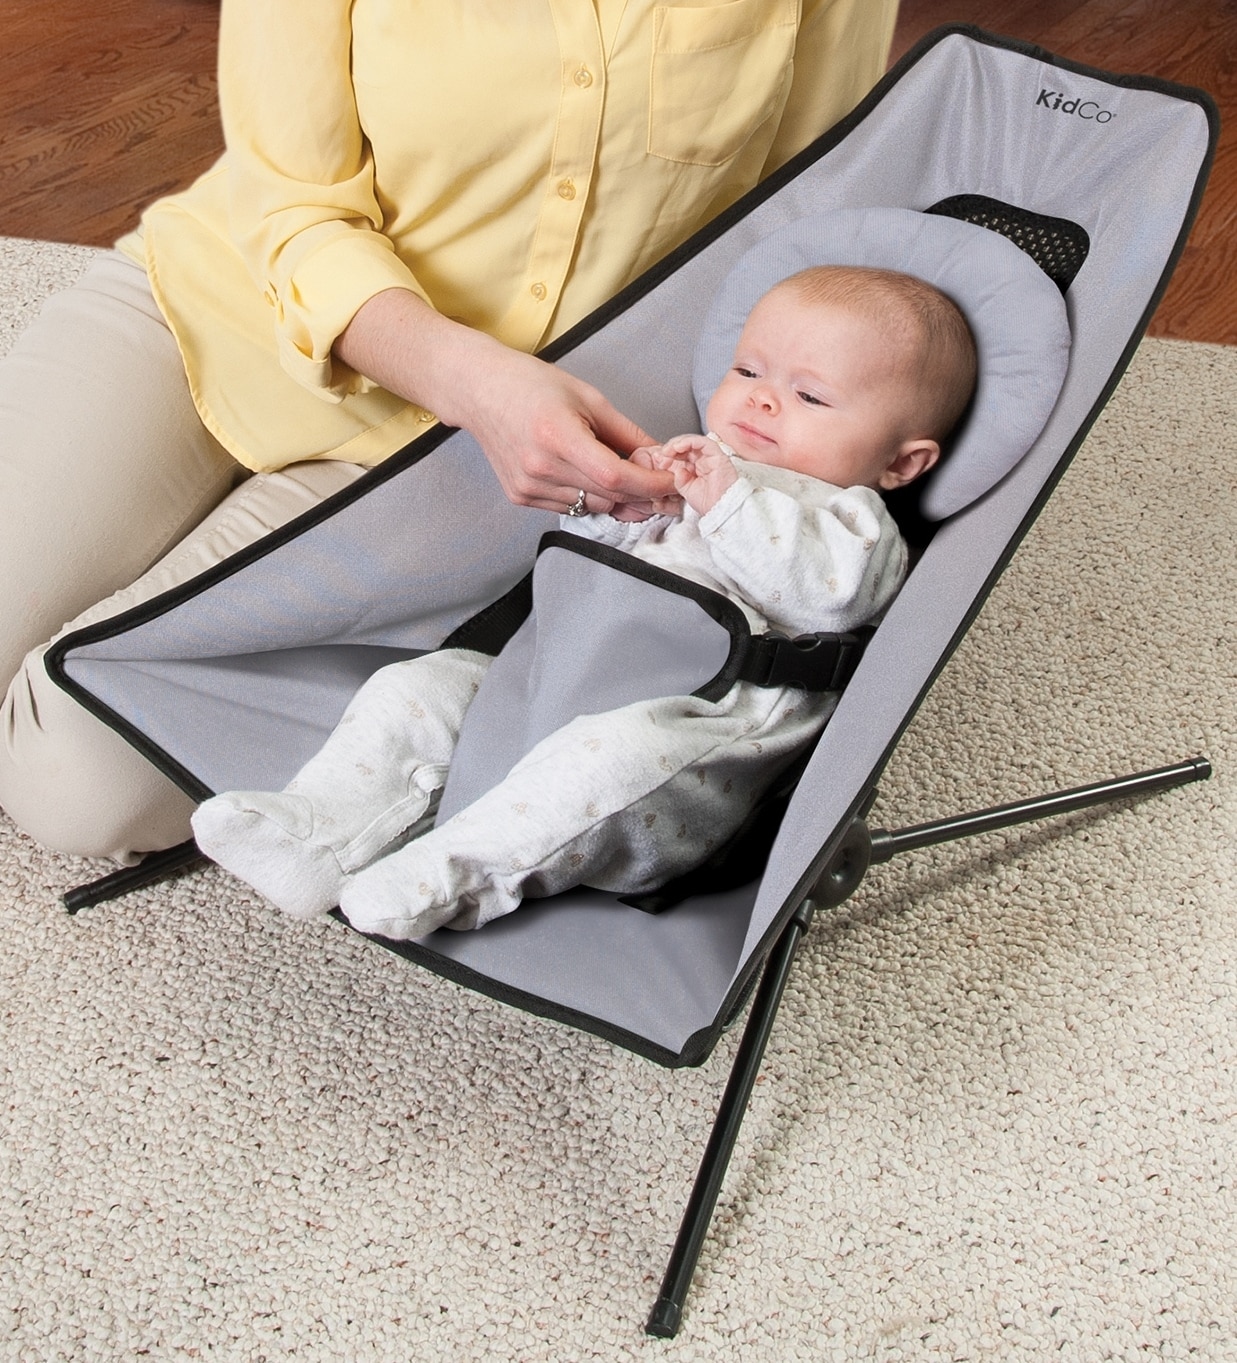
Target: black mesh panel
x,y
1056,245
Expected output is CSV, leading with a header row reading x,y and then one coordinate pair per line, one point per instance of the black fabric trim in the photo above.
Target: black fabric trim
x,y
145,611
451,969
490,629
158,758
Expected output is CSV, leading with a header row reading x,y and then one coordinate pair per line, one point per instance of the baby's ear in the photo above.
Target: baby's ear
x,y
914,457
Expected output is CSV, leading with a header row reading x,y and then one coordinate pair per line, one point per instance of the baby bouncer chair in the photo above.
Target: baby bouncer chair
x,y
1052,202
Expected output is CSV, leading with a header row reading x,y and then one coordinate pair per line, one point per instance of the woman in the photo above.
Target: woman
x,y
413,199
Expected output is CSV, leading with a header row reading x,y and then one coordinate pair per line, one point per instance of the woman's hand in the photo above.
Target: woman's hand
x,y
650,457
550,436
547,434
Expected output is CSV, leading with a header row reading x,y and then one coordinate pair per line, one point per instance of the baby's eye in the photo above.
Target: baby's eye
x,y
744,372
811,399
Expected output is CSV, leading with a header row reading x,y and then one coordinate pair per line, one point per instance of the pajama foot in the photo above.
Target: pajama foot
x,y
391,898
262,838
426,885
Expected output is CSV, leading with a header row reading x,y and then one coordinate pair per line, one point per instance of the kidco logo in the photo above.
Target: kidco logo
x,y
1084,108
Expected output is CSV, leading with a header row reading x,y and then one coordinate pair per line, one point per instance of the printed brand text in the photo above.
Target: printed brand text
x,y
1058,101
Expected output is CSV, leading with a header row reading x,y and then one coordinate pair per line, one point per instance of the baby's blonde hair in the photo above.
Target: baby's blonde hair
x,y
939,349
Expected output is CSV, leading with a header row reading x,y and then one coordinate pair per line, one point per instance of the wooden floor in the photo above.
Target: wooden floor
x,y
106,104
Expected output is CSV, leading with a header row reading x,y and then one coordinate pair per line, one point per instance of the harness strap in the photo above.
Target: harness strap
x,y
602,629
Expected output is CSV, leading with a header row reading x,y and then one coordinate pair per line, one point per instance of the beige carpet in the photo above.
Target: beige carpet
x,y
998,1119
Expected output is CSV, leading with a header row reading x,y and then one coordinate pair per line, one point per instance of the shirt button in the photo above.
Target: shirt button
x,y
539,292
583,78
566,189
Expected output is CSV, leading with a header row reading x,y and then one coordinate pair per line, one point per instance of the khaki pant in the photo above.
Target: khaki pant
x,y
111,491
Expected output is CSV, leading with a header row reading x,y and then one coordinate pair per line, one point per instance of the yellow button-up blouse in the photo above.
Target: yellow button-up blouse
x,y
514,162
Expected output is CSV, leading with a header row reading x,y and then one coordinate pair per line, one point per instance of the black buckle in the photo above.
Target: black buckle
x,y
810,662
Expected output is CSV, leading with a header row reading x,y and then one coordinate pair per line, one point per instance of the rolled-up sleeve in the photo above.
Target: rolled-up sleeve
x,y
303,207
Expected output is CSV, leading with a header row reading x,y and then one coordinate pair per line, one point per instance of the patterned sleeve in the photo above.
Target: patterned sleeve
x,y
604,529
809,556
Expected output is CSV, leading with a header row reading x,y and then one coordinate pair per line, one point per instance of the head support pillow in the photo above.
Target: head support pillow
x,y
1016,312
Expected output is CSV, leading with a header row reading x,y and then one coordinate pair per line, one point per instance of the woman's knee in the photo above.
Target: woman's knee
x,y
75,785
69,780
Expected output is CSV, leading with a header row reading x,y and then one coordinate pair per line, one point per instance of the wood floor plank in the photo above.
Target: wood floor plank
x,y
103,107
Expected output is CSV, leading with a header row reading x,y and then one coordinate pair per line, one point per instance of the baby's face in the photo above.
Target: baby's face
x,y
814,389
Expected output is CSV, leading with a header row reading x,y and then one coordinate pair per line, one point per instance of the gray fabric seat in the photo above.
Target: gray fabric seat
x,y
234,680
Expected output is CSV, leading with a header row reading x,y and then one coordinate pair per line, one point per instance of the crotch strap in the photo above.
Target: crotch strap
x,y
599,630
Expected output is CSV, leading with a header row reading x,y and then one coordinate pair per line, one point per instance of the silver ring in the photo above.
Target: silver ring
x,y
577,508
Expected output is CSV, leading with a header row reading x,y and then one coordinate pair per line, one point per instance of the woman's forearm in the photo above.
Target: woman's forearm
x,y
547,434
400,342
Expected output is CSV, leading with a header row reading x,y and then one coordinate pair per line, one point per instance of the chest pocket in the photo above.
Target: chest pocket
x,y
719,73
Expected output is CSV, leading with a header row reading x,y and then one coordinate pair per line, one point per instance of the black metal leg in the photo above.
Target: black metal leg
x,y
837,882
668,1311
886,845
154,867
851,861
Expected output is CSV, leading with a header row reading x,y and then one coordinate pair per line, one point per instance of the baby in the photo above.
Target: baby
x,y
844,384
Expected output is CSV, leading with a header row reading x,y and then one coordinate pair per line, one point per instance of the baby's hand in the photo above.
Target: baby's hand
x,y
702,471
649,457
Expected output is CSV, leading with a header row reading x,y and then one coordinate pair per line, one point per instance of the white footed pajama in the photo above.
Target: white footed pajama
x,y
620,801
